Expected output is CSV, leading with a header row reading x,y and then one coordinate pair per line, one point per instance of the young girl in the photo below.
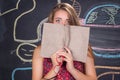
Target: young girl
x,y
62,68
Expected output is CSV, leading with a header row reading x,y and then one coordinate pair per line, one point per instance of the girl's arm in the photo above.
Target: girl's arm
x,y
37,65
90,73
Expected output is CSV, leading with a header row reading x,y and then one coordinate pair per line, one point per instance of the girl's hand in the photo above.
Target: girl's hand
x,y
57,59
68,58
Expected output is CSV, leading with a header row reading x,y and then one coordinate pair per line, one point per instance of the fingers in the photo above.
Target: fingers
x,y
67,50
64,54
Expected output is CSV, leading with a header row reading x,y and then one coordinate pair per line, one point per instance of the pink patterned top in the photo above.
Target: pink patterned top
x,y
63,73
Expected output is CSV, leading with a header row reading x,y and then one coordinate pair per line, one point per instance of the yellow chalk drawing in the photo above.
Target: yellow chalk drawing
x,y
108,67
93,17
109,73
111,11
25,54
77,7
113,73
58,1
15,24
1,14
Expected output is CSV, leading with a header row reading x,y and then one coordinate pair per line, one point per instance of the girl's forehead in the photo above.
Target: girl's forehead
x,y
61,13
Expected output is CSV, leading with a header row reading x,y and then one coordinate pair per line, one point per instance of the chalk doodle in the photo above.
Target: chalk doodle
x,y
10,10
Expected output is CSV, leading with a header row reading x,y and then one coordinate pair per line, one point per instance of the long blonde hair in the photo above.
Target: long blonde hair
x,y
74,20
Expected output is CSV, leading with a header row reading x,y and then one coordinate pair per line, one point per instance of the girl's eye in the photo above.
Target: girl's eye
x,y
58,20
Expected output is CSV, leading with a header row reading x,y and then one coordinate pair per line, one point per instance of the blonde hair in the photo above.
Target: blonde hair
x,y
90,51
74,20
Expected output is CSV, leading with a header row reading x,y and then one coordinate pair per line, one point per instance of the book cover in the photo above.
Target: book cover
x,y
56,36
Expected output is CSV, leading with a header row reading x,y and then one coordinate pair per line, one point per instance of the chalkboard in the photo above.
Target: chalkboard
x,y
21,27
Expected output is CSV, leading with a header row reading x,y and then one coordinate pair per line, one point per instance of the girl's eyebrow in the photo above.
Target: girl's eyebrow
x,y
58,18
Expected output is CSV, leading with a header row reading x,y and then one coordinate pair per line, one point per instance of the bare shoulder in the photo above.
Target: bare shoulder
x,y
37,48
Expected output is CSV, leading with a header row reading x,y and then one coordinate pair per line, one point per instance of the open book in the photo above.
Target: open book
x,y
56,36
